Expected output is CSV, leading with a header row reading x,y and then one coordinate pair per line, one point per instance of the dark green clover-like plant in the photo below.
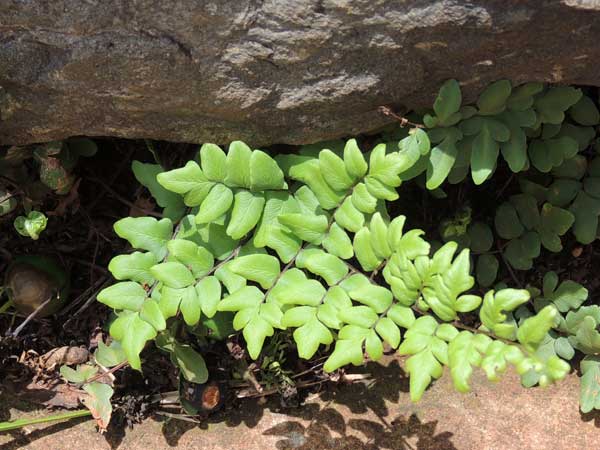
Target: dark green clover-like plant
x,y
531,125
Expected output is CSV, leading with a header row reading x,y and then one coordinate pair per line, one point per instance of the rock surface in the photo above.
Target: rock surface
x,y
372,415
268,72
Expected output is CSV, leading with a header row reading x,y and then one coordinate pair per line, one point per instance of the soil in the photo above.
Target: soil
x,y
370,415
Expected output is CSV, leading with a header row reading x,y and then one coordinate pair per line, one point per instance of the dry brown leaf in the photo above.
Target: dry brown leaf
x,y
97,400
70,200
64,355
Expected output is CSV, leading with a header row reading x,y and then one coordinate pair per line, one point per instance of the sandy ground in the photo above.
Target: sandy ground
x,y
373,415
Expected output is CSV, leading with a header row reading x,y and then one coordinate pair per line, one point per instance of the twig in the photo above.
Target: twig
x,y
118,196
30,317
114,176
508,266
403,120
88,264
183,417
487,333
504,186
285,269
249,376
233,254
11,181
108,372
352,268
151,149
272,391
102,282
377,269
312,369
93,264
13,195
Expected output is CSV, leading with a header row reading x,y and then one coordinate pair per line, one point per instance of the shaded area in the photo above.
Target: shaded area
x,y
373,413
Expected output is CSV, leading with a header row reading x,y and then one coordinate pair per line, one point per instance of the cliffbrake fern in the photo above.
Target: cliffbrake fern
x,y
305,242
220,259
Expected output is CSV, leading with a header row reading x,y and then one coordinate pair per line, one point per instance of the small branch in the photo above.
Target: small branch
x,y
97,287
403,120
509,267
88,264
108,372
504,186
377,269
285,269
30,317
183,417
272,391
115,174
233,254
468,328
173,236
352,268
312,369
118,196
11,181
248,375
13,195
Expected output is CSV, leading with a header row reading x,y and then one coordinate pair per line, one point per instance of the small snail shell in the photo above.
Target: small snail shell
x,y
29,287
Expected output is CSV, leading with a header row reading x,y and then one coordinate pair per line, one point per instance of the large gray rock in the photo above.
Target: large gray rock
x,y
279,71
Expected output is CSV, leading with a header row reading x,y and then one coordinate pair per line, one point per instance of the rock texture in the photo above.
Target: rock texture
x,y
272,71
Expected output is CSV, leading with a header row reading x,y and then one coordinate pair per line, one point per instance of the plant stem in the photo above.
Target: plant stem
x,y
509,267
473,330
19,423
6,306
123,200
108,372
403,120
173,236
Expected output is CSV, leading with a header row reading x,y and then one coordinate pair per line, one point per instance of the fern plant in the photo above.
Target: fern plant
x,y
305,243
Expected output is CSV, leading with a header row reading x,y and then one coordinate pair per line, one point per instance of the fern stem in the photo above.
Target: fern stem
x,y
285,269
233,254
329,225
473,330
173,236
